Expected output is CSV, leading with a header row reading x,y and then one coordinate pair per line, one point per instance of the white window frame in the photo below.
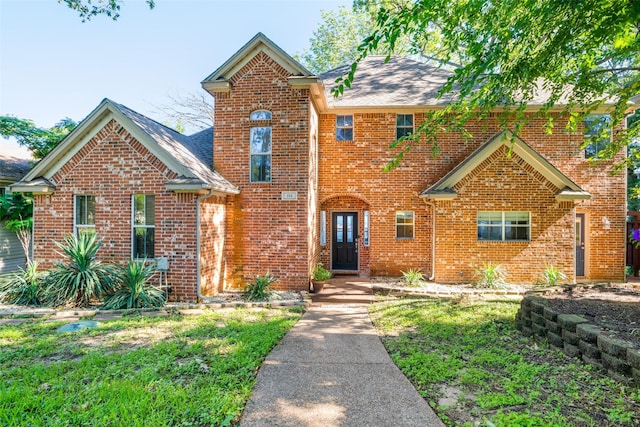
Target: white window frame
x,y
135,226
503,225
593,143
261,154
260,115
404,127
323,228
340,127
77,227
404,224
366,229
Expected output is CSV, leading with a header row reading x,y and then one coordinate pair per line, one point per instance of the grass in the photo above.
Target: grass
x,y
472,366
137,371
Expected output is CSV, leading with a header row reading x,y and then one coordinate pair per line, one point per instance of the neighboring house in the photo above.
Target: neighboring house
x,y
12,256
293,176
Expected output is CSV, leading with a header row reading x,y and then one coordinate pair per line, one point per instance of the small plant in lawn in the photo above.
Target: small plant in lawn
x,y
320,274
489,275
82,278
133,289
412,277
23,287
551,276
259,290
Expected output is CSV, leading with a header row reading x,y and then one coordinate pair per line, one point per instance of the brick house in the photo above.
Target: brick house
x,y
292,176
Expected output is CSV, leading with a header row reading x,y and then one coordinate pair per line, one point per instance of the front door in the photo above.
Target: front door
x,y
344,241
580,245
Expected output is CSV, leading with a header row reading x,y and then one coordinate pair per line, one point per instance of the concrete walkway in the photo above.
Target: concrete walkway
x,y
331,369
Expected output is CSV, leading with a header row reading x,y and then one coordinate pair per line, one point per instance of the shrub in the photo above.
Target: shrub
x,y
320,274
133,289
23,287
83,278
552,275
259,290
412,277
489,275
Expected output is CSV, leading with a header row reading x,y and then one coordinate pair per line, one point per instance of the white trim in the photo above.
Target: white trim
x,y
77,226
146,226
264,154
413,225
503,226
323,228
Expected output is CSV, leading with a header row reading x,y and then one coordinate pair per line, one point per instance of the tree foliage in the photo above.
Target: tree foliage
x,y
582,54
38,140
88,9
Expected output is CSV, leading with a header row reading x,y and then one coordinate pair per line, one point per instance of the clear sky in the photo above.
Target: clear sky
x,y
54,66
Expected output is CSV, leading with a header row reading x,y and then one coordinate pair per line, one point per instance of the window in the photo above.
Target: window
x,y
404,125
597,134
404,225
344,128
2,191
260,115
365,237
85,215
261,154
504,226
144,220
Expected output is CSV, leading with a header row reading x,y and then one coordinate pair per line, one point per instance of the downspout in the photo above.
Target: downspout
x,y
198,249
433,237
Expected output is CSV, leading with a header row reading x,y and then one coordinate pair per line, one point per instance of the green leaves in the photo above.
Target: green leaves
x,y
38,140
133,289
110,8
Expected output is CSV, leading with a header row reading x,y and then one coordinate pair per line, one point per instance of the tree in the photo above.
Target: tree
x,y
583,54
38,140
335,42
87,9
189,111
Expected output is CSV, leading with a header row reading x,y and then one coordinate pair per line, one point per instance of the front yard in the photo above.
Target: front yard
x,y
137,371
468,361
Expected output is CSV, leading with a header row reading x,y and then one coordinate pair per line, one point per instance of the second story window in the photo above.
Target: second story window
x,y
85,215
404,125
597,134
261,154
344,128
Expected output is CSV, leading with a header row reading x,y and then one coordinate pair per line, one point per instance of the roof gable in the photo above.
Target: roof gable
x,y
219,79
443,189
169,146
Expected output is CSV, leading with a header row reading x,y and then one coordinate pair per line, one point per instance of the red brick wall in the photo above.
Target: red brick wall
x,y
265,233
113,166
354,167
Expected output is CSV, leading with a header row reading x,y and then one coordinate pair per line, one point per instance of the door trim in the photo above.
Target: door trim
x,y
356,235
585,244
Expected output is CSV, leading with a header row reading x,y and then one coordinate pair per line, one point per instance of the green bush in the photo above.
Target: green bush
x,y
259,290
412,277
320,274
83,278
23,287
489,275
551,276
133,289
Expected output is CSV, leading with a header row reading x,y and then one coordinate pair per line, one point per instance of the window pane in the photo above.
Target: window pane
x,y
261,168
144,243
85,210
597,133
400,132
404,225
349,229
339,229
260,115
150,210
344,134
344,121
261,140
138,209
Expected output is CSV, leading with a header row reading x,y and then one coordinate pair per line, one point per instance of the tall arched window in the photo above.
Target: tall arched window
x,y
260,148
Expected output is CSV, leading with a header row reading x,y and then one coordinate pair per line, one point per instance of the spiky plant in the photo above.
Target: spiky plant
x,y
23,287
259,290
83,278
552,275
134,289
489,275
412,277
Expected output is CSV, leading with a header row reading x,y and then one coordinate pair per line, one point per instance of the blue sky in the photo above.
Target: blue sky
x,y
54,66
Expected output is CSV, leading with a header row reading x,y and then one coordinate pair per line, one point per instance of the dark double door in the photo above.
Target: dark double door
x,y
344,241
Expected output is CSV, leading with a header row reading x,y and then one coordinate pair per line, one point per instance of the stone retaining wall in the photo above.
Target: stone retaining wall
x,y
579,338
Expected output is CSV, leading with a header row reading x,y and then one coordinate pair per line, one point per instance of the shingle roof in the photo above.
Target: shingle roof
x,y
13,168
401,82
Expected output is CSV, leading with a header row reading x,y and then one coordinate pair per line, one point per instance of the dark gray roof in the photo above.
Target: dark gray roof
x,y
13,168
401,82
194,152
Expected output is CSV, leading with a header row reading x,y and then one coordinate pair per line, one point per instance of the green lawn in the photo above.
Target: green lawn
x,y
137,371
472,366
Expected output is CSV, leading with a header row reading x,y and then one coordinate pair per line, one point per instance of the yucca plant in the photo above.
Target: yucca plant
x,y
259,290
23,287
134,289
552,275
412,277
489,275
83,278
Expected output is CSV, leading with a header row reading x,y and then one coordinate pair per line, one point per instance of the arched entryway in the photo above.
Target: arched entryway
x,y
344,240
